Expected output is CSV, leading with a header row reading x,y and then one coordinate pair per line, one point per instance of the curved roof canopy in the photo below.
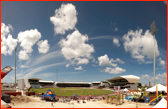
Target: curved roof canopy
x,y
129,78
34,79
46,81
73,83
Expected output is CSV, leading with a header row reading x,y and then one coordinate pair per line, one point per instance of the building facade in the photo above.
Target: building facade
x,y
33,82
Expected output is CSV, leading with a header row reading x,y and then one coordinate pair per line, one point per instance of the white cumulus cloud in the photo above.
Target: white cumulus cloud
x,y
116,42
162,63
23,55
43,46
116,70
27,39
104,61
159,77
78,68
146,77
75,48
94,65
5,30
140,45
116,29
82,61
65,18
8,43
67,65
117,60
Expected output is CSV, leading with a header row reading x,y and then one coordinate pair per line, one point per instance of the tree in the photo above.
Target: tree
x,y
118,99
122,98
108,98
139,85
112,98
143,89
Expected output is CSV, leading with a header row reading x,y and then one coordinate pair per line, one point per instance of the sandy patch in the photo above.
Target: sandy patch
x,y
88,104
21,99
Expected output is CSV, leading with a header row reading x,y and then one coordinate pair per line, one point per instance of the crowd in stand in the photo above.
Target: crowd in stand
x,y
78,99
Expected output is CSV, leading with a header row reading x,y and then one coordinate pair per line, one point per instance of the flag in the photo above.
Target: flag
x,y
156,90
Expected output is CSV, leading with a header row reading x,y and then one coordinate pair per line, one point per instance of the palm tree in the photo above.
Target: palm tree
x,y
107,98
122,98
118,99
112,98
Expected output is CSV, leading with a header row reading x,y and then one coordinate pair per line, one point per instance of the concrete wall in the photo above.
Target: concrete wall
x,y
33,85
21,84
8,90
133,86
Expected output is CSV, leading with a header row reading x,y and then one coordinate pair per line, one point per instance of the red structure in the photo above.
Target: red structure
x,y
5,71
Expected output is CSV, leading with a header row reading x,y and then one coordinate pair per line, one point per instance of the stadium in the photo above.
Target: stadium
x,y
38,83
127,81
70,88
94,93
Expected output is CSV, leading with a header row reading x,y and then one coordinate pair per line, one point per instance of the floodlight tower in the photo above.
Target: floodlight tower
x,y
15,63
153,30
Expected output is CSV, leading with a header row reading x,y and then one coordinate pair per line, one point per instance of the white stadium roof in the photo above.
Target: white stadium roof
x,y
129,78
96,82
73,82
46,81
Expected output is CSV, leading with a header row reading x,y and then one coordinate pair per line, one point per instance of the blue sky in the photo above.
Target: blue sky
x,y
80,37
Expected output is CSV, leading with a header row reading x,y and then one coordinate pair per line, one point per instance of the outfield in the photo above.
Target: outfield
x,y
72,91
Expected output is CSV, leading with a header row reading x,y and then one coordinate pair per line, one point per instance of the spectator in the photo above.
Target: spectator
x,y
162,92
52,103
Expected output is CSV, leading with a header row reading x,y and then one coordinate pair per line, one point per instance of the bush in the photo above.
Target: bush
x,y
142,89
119,97
112,97
107,97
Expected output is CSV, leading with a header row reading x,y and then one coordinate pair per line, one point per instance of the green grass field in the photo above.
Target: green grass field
x,y
72,91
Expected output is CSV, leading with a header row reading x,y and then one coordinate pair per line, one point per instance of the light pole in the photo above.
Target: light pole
x,y
57,74
15,63
102,73
153,30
